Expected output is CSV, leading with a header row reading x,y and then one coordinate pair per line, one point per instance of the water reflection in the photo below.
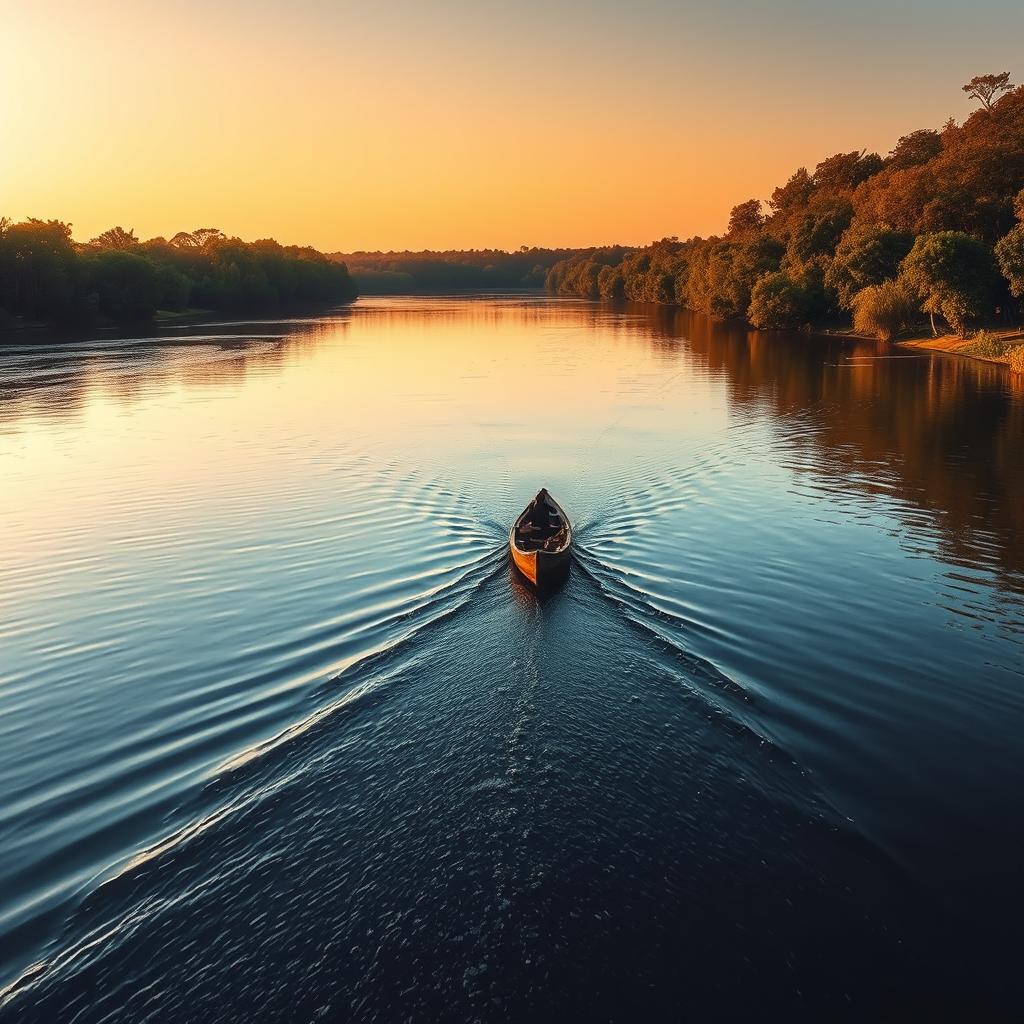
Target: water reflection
x,y
256,590
939,434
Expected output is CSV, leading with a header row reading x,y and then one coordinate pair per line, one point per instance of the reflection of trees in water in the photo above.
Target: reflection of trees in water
x,y
936,433
56,381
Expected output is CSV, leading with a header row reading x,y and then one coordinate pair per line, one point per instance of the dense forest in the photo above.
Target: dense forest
x,y
405,273
935,229
45,276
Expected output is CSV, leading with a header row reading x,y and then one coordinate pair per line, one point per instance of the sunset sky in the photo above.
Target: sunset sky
x,y
458,124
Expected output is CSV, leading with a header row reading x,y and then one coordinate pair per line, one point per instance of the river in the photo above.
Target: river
x,y
282,736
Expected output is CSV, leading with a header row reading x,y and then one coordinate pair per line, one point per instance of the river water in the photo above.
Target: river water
x,y
282,737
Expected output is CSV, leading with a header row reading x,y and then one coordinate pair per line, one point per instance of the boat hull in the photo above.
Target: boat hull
x,y
543,569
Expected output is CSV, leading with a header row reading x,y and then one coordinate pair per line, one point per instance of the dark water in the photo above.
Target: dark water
x,y
282,738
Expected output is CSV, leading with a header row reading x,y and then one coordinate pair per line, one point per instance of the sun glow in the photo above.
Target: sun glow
x,y
452,126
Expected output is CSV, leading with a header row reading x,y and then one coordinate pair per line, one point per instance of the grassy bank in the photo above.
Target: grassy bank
x,y
1004,346
990,346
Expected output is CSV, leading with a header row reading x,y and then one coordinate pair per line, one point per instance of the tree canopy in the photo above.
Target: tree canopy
x,y
950,198
453,270
46,276
986,87
953,274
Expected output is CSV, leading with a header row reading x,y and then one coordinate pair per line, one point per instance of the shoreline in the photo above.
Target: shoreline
x,y
922,341
46,333
951,344
944,344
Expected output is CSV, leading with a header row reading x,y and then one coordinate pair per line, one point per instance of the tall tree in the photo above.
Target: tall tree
x,y
117,239
196,239
1010,250
915,149
953,274
746,217
1010,253
866,255
985,88
794,193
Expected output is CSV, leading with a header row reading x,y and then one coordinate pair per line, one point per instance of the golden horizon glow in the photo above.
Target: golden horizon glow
x,y
459,126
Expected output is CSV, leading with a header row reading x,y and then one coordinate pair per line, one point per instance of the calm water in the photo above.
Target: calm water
x,y
281,737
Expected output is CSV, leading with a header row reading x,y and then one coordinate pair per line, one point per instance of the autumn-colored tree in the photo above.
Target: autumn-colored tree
x,y
985,88
611,283
915,149
816,231
967,186
721,274
895,196
746,217
845,171
847,226
794,194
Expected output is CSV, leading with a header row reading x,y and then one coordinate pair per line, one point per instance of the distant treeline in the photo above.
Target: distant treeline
x,y
404,273
45,276
936,227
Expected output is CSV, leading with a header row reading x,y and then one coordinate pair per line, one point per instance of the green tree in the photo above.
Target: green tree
x,y
1010,254
867,254
125,286
885,309
780,301
46,276
39,274
953,275
817,231
721,274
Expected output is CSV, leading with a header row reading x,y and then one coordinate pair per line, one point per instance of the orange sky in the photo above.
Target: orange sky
x,y
458,124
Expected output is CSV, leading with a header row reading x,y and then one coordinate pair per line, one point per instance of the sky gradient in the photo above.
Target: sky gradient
x,y
458,124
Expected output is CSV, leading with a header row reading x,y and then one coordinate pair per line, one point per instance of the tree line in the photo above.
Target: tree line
x,y
405,273
935,229
45,276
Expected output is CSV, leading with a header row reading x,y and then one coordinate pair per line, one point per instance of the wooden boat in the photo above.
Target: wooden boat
x,y
542,555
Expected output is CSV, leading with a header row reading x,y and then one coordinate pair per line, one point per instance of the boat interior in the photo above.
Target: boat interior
x,y
541,528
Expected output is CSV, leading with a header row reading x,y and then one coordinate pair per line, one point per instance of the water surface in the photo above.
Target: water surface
x,y
282,737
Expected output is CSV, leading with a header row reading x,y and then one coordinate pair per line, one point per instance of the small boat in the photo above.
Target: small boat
x,y
541,541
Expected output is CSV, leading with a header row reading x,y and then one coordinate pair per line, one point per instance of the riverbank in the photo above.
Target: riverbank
x,y
1008,341
1004,343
